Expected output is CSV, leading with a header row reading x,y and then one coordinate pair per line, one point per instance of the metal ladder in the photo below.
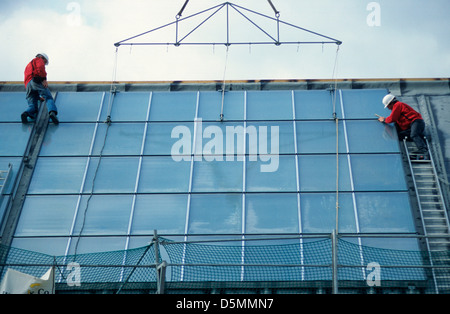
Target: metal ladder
x,y
433,213
4,176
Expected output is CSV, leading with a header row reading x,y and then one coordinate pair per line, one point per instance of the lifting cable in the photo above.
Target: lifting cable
x,y
113,88
182,9
277,13
336,119
223,83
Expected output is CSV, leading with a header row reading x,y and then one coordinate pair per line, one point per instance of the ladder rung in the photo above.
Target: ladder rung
x,y
441,261
444,235
432,206
441,217
438,227
439,243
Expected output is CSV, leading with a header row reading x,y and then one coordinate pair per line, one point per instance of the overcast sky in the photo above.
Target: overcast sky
x,y
381,39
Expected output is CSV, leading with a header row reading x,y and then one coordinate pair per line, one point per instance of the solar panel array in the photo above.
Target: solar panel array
x,y
168,162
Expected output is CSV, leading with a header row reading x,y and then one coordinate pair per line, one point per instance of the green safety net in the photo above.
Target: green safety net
x,y
293,264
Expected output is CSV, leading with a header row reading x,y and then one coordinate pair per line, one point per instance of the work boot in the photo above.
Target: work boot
x,y
53,117
24,117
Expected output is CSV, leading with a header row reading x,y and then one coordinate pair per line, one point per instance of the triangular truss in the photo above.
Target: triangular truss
x,y
195,22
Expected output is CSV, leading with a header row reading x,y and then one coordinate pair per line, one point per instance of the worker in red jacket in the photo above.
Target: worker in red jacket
x,y
37,87
408,121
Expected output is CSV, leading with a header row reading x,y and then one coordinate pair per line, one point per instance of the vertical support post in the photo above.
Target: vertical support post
x,y
228,27
159,268
277,15
334,262
156,248
176,32
278,29
161,272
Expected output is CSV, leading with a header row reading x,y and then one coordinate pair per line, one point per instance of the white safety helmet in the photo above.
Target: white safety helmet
x,y
43,55
388,99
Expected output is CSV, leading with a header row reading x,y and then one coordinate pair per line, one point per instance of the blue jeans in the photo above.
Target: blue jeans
x,y
416,133
34,92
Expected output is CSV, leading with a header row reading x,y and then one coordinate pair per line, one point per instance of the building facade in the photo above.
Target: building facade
x,y
244,187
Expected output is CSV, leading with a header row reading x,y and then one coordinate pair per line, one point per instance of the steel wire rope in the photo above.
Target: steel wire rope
x,y
336,119
108,124
223,83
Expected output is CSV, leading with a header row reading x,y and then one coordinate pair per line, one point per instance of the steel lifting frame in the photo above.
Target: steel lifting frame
x,y
239,9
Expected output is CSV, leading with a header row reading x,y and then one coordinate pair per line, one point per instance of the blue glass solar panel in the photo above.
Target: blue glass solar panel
x,y
375,172
261,178
382,137
163,174
384,212
121,139
316,104
213,104
162,136
362,104
80,106
203,219
58,175
272,213
112,175
12,104
167,106
116,207
70,139
217,176
47,215
273,105
163,212
14,138
315,137
126,106
319,173
319,213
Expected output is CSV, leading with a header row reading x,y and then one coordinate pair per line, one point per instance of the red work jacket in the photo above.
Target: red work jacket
x,y
403,115
36,68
